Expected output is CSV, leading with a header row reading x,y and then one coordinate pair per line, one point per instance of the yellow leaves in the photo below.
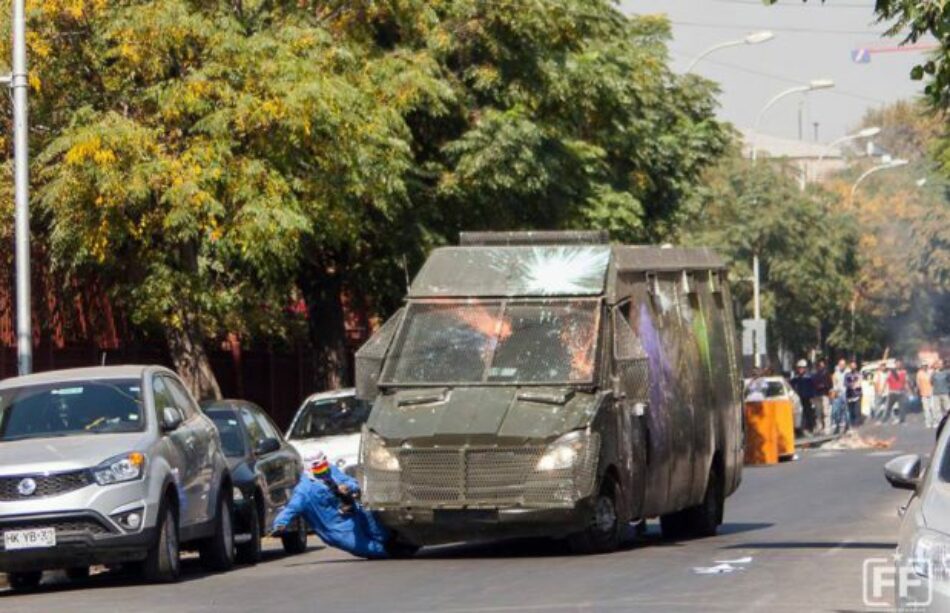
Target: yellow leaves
x,y
34,81
69,9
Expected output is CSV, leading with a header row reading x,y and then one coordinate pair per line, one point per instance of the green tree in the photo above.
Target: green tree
x,y
806,247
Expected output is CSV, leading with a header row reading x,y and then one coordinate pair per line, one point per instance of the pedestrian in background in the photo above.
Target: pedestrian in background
x,y
880,392
926,391
804,385
853,392
822,381
839,401
896,392
941,388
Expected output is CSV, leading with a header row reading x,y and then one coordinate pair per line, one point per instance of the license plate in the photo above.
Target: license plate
x,y
29,539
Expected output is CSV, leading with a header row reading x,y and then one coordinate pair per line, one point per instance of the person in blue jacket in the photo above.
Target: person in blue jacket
x,y
327,499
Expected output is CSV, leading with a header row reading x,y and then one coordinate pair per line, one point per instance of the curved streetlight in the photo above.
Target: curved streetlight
x,y
889,164
865,133
752,39
799,89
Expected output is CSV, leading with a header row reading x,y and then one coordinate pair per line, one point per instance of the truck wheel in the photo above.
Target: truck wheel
x,y
250,552
20,582
162,562
701,520
295,541
603,535
217,553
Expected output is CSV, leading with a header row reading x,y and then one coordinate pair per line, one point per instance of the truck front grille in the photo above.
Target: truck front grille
x,y
478,477
46,485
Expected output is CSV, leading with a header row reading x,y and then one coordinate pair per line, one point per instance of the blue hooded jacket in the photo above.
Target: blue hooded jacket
x,y
358,532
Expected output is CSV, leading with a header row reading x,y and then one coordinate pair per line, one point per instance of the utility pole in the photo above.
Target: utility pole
x,y
756,310
19,84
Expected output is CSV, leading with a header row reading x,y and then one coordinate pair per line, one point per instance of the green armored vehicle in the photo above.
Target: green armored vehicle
x,y
551,384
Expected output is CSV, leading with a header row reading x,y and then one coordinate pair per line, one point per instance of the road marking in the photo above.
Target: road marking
x,y
826,454
883,454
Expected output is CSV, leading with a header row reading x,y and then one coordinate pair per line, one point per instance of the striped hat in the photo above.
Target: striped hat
x,y
319,465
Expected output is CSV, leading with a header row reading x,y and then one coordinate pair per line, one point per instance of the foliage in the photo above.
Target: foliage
x,y
806,246
211,161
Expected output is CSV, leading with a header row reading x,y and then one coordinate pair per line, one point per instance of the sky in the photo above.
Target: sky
x,y
812,40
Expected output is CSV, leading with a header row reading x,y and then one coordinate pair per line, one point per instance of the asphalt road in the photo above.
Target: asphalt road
x,y
807,526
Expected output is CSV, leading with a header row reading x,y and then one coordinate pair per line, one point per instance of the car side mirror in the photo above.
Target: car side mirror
x,y
904,472
268,445
171,419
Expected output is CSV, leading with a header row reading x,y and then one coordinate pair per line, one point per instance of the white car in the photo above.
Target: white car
x,y
330,422
775,388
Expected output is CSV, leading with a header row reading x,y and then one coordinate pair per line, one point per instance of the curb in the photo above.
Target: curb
x,y
815,441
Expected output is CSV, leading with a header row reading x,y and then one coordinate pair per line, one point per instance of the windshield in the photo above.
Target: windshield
x,y
551,342
329,417
768,389
69,409
232,436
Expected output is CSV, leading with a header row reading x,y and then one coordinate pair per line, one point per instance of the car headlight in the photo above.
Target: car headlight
x,y
121,468
931,555
376,455
565,452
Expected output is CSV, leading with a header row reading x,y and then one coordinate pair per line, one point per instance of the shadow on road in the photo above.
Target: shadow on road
x,y
120,577
815,545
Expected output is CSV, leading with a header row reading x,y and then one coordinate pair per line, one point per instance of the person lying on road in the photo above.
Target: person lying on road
x,y
328,500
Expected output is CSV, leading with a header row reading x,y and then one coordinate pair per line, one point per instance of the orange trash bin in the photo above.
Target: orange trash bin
x,y
761,433
785,427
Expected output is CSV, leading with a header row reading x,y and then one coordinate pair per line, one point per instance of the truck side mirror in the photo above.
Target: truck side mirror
x,y
369,358
904,472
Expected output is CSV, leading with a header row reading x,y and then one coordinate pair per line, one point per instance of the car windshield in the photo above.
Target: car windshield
x,y
330,417
766,388
232,436
71,408
549,342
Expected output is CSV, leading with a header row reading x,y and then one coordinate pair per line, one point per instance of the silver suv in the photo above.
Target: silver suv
x,y
110,465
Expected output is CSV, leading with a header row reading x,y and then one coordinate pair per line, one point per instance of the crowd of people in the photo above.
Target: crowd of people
x,y
834,400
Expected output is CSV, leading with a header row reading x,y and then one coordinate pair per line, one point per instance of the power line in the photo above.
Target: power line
x,y
814,4
723,26
761,73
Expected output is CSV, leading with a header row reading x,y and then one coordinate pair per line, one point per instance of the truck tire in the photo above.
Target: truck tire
x,y
78,573
162,562
604,533
21,582
701,520
295,540
217,553
250,552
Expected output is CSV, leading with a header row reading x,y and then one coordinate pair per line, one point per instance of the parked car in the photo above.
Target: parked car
x,y
775,388
109,465
265,469
331,422
923,546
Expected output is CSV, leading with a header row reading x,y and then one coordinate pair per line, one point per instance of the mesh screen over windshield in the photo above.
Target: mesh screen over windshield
x,y
499,342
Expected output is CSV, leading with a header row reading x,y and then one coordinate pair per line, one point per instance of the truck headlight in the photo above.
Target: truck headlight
x,y
376,456
121,468
931,557
565,452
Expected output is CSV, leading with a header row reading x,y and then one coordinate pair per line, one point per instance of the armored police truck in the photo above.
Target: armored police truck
x,y
552,384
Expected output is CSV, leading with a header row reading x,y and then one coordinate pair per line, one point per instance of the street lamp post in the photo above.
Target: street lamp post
x,y
865,133
889,164
799,89
752,39
19,84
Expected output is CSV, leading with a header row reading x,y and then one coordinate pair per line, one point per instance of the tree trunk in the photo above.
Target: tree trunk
x,y
191,361
323,287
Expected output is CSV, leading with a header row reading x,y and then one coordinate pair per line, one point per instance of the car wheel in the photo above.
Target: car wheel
x,y
295,541
217,553
603,534
250,552
163,560
25,581
78,573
